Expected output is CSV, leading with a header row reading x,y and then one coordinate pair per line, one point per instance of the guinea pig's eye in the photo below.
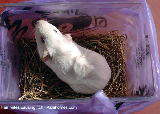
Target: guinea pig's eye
x,y
55,30
42,39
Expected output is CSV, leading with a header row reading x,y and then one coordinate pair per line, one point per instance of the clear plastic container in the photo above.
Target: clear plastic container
x,y
124,26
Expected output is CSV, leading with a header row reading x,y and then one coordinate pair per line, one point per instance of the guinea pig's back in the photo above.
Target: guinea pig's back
x,y
101,73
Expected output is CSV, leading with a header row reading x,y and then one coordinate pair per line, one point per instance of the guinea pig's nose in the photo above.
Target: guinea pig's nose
x,y
38,20
42,19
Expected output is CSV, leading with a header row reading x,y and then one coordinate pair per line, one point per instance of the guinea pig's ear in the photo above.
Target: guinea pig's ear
x,y
68,37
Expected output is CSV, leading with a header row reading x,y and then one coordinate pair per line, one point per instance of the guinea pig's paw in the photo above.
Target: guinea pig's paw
x,y
81,67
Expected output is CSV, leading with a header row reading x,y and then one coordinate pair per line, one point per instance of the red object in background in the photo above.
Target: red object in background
x,y
9,1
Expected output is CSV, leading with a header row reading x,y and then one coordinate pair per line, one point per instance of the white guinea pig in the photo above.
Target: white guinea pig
x,y
85,71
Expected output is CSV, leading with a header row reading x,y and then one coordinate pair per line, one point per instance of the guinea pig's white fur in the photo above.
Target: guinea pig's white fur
x,y
85,71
